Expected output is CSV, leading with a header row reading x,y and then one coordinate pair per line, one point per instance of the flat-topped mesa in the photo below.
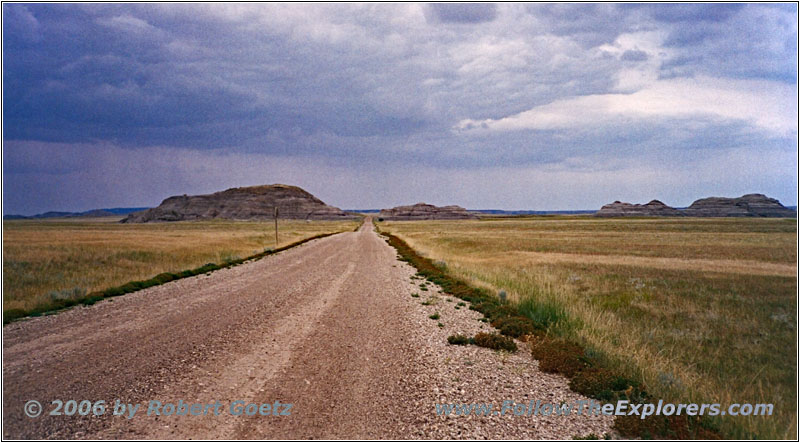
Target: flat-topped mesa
x,y
749,205
247,203
653,209
423,211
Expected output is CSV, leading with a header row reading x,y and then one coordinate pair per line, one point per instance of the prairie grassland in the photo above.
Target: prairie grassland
x,y
699,309
45,256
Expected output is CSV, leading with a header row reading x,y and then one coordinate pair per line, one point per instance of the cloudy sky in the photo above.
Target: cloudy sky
x,y
512,106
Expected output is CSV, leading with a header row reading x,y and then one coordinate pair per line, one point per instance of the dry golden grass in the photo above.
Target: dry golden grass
x,y
40,256
700,309
751,267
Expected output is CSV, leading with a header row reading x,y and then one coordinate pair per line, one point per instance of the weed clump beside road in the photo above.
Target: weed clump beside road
x,y
560,356
604,385
459,339
495,341
486,340
515,326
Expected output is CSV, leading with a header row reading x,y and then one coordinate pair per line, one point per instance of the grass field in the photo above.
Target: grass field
x,y
45,258
699,309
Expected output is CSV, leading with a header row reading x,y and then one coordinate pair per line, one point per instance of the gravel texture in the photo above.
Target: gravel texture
x,y
329,326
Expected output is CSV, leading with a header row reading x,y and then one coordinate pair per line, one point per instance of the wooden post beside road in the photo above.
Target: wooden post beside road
x,y
276,227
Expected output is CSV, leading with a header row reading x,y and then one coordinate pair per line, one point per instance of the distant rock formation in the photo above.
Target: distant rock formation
x,y
750,205
423,211
249,203
654,208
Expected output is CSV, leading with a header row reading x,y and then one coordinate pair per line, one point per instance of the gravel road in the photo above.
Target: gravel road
x,y
329,327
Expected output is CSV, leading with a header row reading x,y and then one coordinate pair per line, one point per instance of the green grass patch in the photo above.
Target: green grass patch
x,y
543,314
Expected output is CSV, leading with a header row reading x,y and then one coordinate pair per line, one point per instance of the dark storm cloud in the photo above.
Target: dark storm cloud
x,y
367,90
463,12
688,12
590,24
111,75
743,41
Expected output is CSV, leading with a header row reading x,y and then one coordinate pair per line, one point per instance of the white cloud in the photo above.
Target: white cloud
x,y
631,77
128,23
764,104
491,54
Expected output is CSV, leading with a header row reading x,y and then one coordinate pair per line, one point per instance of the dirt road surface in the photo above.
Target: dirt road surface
x,y
329,327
